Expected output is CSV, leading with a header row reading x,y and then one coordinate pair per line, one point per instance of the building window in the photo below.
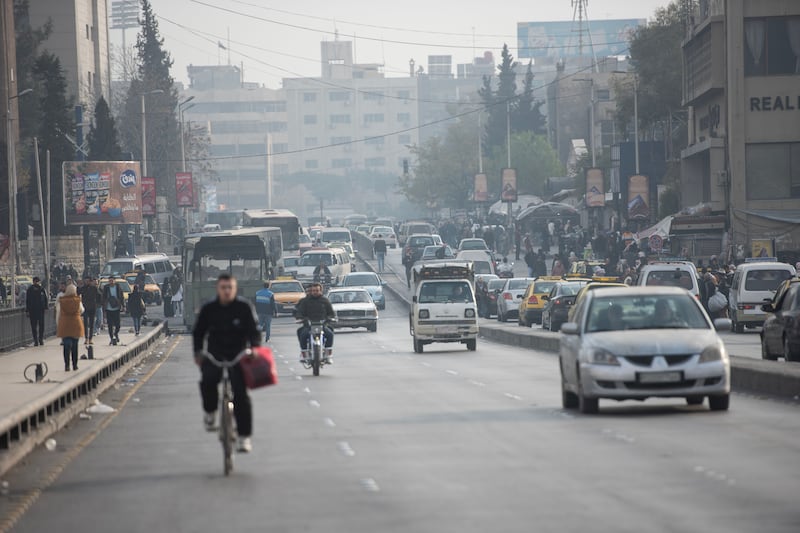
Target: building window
x,y
374,141
312,163
372,95
772,46
311,141
340,119
772,171
371,118
280,148
281,169
309,97
404,139
342,163
339,96
309,119
88,35
341,140
602,95
209,108
404,94
404,117
375,162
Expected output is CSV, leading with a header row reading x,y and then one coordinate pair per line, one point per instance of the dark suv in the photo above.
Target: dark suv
x,y
781,334
416,244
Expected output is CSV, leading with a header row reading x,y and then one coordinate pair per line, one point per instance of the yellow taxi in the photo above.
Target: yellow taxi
x,y
598,282
531,305
583,269
288,291
152,292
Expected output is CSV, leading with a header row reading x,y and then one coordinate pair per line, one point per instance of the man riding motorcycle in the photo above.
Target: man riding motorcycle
x,y
315,308
505,269
322,272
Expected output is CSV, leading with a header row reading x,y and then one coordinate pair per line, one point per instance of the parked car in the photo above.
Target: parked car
x,y
386,233
152,292
558,303
780,336
416,245
371,283
641,342
354,308
472,244
532,302
509,296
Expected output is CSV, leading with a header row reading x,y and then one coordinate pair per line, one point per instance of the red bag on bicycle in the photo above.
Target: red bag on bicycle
x,y
260,369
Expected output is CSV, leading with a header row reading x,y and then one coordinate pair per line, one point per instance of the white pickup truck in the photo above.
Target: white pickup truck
x,y
443,307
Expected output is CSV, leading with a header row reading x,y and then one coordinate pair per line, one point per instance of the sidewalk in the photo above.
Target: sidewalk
x,y
17,393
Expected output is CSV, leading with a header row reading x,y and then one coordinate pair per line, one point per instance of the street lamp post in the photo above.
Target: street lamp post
x,y
181,110
13,223
144,134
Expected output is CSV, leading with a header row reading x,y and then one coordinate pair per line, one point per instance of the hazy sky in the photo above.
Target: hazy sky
x,y
439,27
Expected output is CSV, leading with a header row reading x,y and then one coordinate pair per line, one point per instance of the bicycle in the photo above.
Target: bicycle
x,y
226,433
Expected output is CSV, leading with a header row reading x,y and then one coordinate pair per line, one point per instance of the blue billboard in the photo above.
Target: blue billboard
x,y
561,39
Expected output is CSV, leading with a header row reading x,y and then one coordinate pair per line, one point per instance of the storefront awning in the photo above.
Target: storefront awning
x,y
661,229
790,216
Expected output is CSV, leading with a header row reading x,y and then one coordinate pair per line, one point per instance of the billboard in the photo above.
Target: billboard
x,y
508,191
185,189
148,197
638,194
595,197
102,192
481,193
559,39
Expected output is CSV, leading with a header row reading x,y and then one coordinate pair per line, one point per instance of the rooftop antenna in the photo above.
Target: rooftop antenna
x,y
580,13
229,46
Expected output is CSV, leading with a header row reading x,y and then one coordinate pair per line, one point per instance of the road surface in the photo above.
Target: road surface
x,y
390,441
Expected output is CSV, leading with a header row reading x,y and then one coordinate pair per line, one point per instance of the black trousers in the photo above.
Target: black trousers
x,y
88,322
37,327
112,317
209,390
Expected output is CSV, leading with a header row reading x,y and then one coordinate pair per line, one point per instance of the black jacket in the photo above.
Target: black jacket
x,y
136,303
35,299
228,328
379,246
315,309
90,297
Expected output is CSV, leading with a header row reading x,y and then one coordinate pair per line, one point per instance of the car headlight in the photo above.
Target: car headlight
x,y
373,313
711,354
469,313
423,314
603,357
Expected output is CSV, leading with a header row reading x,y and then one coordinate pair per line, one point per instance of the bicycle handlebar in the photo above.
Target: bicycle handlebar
x,y
228,364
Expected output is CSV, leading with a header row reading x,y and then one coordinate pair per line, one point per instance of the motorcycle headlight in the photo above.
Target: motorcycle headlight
x,y
603,357
711,354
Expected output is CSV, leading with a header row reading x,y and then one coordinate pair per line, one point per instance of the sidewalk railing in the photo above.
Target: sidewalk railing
x,y
15,327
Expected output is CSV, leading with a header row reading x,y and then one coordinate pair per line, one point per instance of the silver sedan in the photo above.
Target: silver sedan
x,y
642,342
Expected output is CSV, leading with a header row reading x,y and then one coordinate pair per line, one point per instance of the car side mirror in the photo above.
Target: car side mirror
x,y
414,299
722,324
383,283
570,328
768,308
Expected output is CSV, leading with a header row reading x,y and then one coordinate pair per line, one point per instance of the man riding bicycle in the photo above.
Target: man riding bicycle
x,y
230,325
315,308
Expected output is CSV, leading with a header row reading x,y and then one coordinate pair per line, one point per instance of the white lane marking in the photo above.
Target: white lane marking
x,y
346,450
512,396
329,422
307,390
710,473
285,362
313,403
291,369
426,364
477,383
452,372
409,357
370,485
299,378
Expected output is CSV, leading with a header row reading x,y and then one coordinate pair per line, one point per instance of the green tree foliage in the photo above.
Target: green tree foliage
x,y
153,80
102,138
498,101
533,158
527,113
656,53
28,43
56,120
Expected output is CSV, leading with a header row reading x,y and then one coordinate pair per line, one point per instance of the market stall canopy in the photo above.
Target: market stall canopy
x,y
661,229
523,201
548,210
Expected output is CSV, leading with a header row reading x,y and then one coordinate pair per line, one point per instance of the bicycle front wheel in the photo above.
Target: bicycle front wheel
x,y
226,435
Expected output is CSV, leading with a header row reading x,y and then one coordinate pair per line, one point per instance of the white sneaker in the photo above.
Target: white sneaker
x,y
210,421
245,445
304,356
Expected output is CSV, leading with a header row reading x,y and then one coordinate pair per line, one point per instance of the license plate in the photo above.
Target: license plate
x,y
446,330
660,377
753,311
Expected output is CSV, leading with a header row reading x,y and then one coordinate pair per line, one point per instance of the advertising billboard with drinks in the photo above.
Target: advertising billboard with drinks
x,y
185,189
102,192
148,196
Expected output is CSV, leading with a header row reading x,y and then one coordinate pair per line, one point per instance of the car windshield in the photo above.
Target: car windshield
x,y
473,245
672,311
117,267
430,252
570,289
332,236
420,241
419,228
349,297
361,280
445,292
496,284
382,229
291,261
765,280
286,286
482,267
303,239
669,278
309,260
518,284
543,287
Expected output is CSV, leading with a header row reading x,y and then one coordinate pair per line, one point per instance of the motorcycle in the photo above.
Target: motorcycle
x,y
316,347
506,273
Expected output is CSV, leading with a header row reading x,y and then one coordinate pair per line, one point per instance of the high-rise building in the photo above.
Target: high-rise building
x,y
80,40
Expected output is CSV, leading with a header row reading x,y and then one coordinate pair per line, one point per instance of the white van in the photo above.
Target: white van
x,y
157,265
338,262
329,235
671,274
753,282
482,262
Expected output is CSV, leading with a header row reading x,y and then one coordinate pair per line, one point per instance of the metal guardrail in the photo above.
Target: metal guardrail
x,y
15,327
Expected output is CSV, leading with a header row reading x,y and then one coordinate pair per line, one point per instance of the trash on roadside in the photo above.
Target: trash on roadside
x,y
132,380
136,400
84,416
50,444
100,408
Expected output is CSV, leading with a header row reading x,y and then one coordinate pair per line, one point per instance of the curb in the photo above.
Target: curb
x,y
22,431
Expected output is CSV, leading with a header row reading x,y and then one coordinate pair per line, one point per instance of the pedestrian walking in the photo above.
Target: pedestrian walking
x,y
177,300
265,308
530,261
379,247
3,292
408,262
36,302
91,298
136,308
70,326
112,305
166,296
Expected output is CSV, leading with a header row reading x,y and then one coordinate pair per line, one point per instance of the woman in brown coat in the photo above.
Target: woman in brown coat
x,y
70,325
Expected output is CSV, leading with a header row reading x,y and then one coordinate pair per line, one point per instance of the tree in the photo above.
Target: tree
x,y
499,102
533,158
56,121
527,110
28,41
102,138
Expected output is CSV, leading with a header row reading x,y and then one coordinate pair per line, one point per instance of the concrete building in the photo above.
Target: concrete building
x,y
742,87
241,118
80,41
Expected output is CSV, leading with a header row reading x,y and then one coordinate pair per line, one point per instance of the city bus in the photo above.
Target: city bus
x,y
249,254
289,224
225,219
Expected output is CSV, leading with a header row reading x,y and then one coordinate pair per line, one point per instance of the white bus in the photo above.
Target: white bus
x,y
284,219
248,254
